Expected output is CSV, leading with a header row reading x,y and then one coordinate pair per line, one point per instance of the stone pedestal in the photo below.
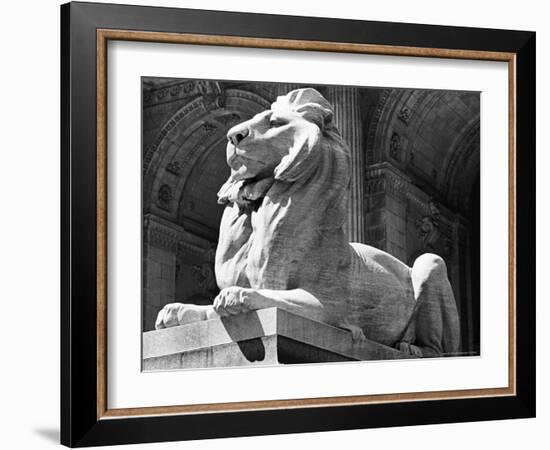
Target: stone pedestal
x,y
266,337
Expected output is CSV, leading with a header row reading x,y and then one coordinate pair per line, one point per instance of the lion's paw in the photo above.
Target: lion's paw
x,y
174,314
357,334
231,301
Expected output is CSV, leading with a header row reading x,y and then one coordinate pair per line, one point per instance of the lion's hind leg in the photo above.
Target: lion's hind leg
x,y
434,329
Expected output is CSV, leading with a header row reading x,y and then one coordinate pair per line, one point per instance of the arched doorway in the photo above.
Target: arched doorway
x,y
422,149
183,168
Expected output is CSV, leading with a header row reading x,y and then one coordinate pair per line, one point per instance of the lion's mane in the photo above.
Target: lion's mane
x,y
292,235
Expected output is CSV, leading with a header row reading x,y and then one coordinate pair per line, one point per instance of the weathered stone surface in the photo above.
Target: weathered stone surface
x,y
264,337
256,352
283,243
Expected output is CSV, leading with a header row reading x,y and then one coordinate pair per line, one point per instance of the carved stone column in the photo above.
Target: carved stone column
x,y
160,244
347,117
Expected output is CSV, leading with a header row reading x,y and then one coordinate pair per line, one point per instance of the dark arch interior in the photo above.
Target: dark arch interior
x,y
198,210
475,252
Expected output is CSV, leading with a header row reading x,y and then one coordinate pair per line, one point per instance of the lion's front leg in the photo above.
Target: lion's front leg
x,y
236,300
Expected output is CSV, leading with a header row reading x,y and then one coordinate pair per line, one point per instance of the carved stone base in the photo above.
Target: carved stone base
x,y
266,337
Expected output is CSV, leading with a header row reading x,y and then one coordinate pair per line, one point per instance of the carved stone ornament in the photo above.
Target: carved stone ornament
x,y
165,196
208,127
175,168
395,147
283,243
404,115
428,226
203,275
160,236
212,94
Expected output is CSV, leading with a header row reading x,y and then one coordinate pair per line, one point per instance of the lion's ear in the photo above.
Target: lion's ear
x,y
316,113
302,157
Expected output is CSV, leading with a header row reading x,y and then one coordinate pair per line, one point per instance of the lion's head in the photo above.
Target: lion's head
x,y
287,192
283,143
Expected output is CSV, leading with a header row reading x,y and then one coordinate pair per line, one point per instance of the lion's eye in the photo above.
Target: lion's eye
x,y
274,123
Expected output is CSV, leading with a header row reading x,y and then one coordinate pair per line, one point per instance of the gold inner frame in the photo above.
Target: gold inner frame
x,y
103,36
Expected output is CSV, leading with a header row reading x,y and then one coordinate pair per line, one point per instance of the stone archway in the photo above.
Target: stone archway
x,y
183,168
184,139
462,167
423,160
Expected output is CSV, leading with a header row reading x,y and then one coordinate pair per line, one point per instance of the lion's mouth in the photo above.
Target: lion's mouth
x,y
254,188
251,177
247,192
245,167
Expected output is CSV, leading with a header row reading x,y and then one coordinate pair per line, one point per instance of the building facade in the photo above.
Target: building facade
x,y
414,187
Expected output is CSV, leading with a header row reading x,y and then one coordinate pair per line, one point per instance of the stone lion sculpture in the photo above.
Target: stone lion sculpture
x,y
282,241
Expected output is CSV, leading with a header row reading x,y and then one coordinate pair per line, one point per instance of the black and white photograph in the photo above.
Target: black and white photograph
x,y
275,225
291,223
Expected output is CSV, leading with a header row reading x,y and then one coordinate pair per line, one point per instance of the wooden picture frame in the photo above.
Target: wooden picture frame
x,y
85,416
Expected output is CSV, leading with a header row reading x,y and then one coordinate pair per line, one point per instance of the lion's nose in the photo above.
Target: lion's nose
x,y
237,134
